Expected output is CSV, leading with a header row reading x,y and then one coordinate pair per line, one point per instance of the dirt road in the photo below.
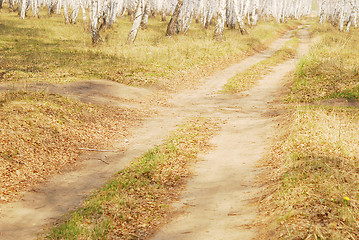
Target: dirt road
x,y
215,204
220,201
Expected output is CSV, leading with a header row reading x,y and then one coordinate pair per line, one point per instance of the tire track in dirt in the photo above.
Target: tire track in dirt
x,y
220,201
24,219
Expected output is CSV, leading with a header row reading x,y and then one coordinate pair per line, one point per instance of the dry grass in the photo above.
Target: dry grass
x,y
135,201
40,134
313,169
46,49
331,70
314,184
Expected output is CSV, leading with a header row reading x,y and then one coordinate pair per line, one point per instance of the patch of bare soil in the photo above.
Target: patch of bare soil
x,y
215,204
95,91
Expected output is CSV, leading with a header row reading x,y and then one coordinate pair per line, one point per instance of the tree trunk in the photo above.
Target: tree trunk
x,y
23,9
218,32
322,12
354,13
242,28
146,13
83,14
136,23
35,8
187,21
52,6
342,16
171,28
1,1
94,19
11,5
113,13
163,17
66,11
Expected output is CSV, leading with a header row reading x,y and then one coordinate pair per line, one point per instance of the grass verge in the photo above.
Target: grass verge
x,y
41,133
135,201
246,79
313,186
331,70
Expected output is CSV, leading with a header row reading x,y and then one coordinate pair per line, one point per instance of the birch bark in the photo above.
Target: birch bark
x,y
94,19
218,32
23,9
146,13
137,22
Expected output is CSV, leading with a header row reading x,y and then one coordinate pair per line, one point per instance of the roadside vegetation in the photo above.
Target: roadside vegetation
x,y
331,70
46,49
313,188
246,79
136,200
42,133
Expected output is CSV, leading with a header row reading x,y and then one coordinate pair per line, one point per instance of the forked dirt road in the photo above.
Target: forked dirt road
x,y
217,201
220,201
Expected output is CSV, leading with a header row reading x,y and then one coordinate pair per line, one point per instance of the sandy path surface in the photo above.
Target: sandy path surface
x,y
220,201
226,173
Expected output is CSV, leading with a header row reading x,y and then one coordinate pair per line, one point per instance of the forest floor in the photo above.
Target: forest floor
x,y
220,200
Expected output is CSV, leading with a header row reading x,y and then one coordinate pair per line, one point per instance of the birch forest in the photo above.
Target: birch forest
x,y
239,14
99,14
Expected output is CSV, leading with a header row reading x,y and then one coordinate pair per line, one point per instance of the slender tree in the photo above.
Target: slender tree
x,y
171,28
95,11
218,32
137,21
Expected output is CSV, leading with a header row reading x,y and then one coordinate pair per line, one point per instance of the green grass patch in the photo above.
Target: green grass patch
x,y
314,189
246,79
331,70
48,50
135,201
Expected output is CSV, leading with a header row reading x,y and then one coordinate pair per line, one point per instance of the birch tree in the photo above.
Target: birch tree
x,y
95,11
137,21
23,8
145,15
171,28
218,32
341,13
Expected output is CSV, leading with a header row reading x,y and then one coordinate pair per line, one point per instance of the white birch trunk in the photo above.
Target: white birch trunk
x,y
83,12
342,16
136,23
94,20
23,9
66,11
35,8
145,15
218,32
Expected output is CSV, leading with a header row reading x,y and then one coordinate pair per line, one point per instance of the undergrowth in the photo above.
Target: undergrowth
x,y
135,201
